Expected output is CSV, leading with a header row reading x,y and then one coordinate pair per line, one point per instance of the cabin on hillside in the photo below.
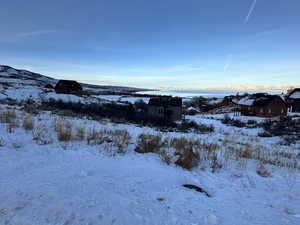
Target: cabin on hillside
x,y
68,87
165,108
262,105
293,100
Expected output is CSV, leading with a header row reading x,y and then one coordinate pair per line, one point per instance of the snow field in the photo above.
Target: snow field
x,y
71,182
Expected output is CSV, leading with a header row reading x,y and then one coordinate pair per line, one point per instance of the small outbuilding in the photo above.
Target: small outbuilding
x,y
293,100
68,87
262,105
165,108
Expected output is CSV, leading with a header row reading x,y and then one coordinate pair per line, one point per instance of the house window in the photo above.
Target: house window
x,y
261,110
270,111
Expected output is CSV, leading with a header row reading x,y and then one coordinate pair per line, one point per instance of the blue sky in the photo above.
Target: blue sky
x,y
155,43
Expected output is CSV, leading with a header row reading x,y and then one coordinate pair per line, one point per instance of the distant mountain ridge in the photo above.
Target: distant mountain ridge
x,y
8,73
237,88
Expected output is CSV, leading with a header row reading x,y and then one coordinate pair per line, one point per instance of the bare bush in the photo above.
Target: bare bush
x,y
149,143
121,139
187,125
41,135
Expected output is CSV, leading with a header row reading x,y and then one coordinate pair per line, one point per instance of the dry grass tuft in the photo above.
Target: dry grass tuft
x,y
121,139
8,116
165,157
28,122
80,133
63,129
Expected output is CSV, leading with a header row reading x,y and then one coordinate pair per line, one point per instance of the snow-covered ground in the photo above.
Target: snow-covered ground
x,y
52,186
21,92
76,183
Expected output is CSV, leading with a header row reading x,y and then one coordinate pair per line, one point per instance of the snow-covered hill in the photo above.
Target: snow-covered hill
x,y
21,85
18,76
12,75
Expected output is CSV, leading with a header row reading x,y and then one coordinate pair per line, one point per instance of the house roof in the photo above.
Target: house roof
x,y
165,101
295,94
259,99
192,109
68,83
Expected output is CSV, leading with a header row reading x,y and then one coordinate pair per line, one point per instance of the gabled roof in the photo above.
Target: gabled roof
x,y
259,99
165,101
192,109
295,94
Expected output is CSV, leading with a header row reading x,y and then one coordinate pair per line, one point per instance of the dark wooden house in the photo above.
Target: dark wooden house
x,y
263,105
165,108
68,87
49,86
293,100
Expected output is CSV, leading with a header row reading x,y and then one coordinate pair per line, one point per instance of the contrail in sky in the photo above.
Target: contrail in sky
x,y
250,11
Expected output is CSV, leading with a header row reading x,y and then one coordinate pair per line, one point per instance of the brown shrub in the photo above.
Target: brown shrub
x,y
192,152
185,149
149,143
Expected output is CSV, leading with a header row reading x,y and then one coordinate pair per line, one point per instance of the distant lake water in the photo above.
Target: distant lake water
x,y
207,93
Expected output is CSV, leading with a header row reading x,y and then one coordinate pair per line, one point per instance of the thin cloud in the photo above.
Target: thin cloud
x,y
183,68
250,11
35,33
266,33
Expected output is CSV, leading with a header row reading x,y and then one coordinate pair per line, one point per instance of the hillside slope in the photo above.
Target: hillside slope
x,y
11,75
